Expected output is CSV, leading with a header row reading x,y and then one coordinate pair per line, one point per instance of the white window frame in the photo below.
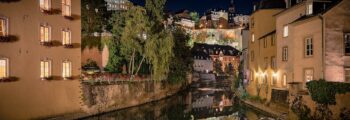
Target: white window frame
x,y
45,69
284,53
309,76
66,69
309,9
4,27
285,31
6,67
45,33
308,49
45,4
66,7
66,37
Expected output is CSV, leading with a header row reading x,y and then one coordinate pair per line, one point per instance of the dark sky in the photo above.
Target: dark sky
x,y
200,6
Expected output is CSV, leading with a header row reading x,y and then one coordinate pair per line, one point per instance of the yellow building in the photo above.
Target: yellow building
x,y
40,58
262,51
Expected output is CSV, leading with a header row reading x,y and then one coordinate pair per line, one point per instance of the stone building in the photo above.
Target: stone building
x,y
262,53
40,58
116,5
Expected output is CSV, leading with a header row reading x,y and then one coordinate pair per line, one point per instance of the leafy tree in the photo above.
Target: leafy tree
x,y
195,17
93,16
182,60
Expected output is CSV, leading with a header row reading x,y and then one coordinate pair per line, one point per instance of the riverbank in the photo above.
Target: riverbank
x,y
103,98
273,109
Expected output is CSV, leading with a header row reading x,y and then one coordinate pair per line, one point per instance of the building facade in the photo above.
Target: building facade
x,y
40,58
262,52
116,5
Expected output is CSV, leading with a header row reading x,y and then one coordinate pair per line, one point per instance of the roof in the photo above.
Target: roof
x,y
270,33
215,49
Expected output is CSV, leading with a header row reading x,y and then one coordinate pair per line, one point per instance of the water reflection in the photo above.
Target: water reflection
x,y
208,100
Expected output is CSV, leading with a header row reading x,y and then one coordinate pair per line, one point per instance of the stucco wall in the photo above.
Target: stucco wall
x,y
29,96
337,22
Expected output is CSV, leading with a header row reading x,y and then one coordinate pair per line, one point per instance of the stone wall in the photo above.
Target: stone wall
x,y
108,97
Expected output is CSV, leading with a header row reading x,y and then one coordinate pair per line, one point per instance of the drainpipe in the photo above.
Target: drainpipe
x,y
323,46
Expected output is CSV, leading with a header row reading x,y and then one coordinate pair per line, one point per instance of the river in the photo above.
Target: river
x,y
206,99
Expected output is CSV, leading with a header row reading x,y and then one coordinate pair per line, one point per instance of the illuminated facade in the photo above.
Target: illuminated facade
x,y
40,58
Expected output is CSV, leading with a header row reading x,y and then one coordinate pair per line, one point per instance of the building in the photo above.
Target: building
x,y
116,5
235,19
262,50
202,62
226,55
244,56
312,39
40,58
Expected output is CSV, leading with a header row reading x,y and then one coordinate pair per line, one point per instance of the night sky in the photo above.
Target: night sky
x,y
200,6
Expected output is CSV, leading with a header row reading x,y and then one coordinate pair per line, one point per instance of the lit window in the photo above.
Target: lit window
x,y
67,69
309,75
285,54
45,4
45,69
285,31
347,74
45,33
284,82
66,37
309,9
347,43
253,37
66,7
308,47
3,26
4,63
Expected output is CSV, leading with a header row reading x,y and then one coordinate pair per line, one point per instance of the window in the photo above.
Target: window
x,y
284,82
253,38
265,42
67,69
45,35
285,31
252,55
4,68
66,7
45,4
266,60
347,43
273,40
309,74
273,80
309,9
45,69
3,26
285,54
66,37
347,74
273,62
308,47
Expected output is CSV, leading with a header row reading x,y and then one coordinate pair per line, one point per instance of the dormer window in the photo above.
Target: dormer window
x,y
309,9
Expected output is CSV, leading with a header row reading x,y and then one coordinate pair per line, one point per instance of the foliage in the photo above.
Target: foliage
x,y
201,37
90,64
302,111
181,62
90,42
195,17
93,16
324,92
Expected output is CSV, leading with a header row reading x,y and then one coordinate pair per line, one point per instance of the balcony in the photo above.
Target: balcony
x,y
52,43
9,79
50,11
68,46
8,38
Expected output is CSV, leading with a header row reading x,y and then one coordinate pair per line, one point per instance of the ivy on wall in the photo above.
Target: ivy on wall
x,y
90,42
324,92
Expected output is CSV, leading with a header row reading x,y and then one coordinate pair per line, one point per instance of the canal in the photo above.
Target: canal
x,y
206,99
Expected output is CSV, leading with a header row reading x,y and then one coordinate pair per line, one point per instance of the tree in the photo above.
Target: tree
x,y
217,66
182,60
195,17
93,16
